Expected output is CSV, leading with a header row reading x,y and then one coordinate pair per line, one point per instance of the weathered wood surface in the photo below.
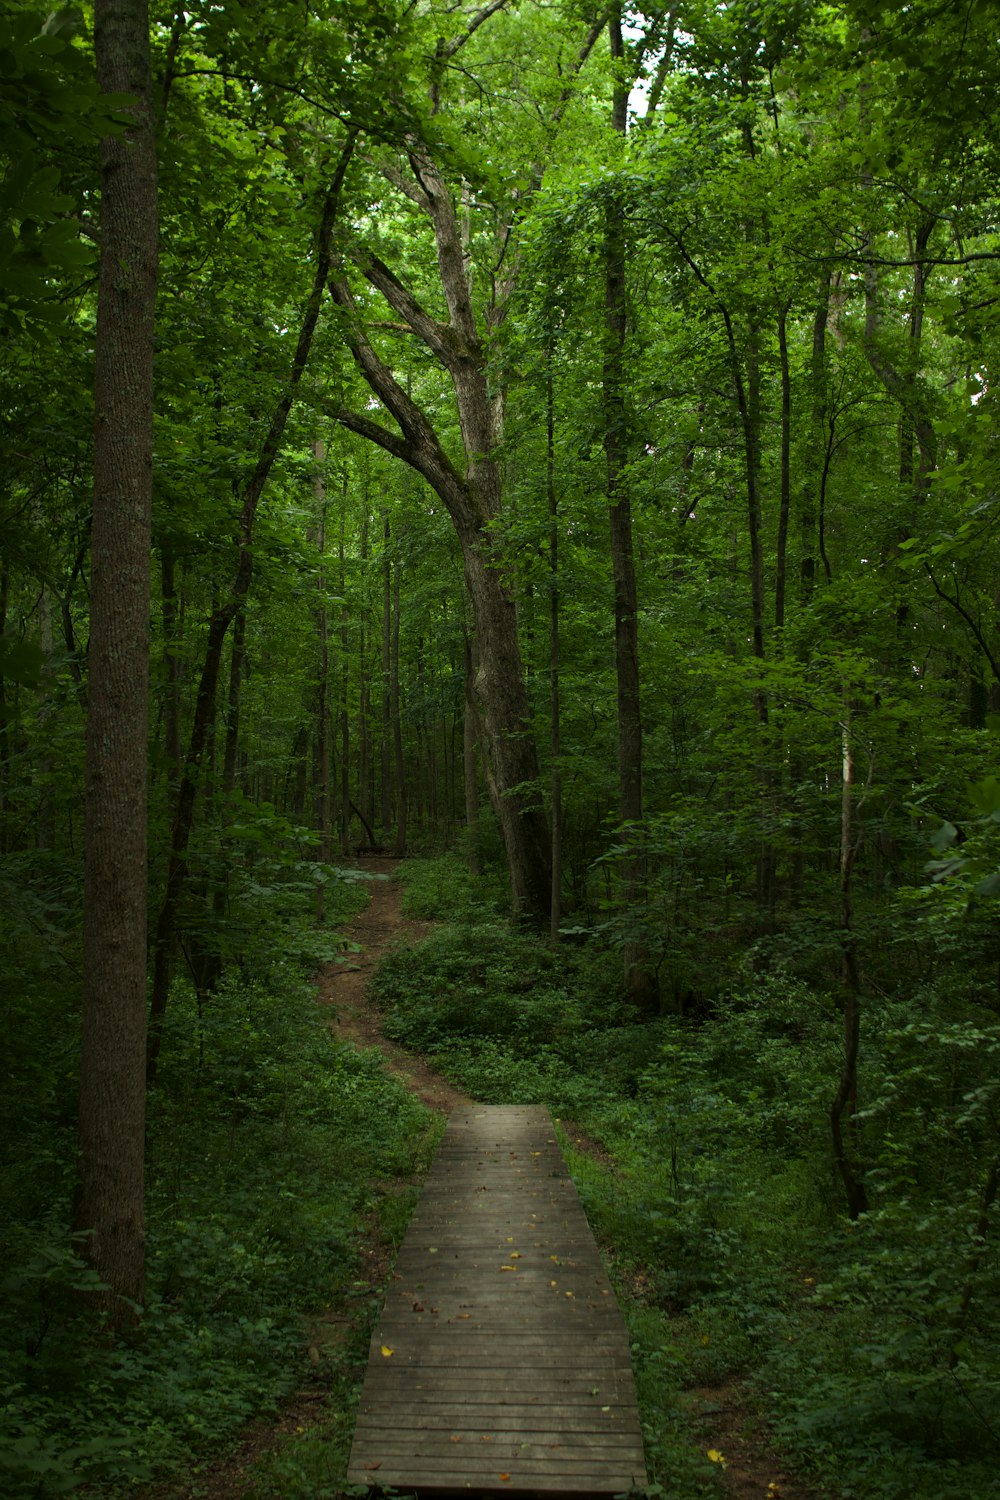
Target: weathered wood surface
x,y
500,1363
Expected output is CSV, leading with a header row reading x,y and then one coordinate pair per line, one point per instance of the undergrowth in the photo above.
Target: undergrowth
x,y
871,1350
266,1143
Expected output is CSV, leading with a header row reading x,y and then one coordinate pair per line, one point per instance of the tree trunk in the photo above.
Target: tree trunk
x,y
470,778
473,500
555,745
399,847
345,685
321,763
385,757
109,1199
846,1098
640,981
364,696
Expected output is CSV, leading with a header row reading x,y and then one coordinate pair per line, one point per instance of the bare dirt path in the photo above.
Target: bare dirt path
x,y
343,987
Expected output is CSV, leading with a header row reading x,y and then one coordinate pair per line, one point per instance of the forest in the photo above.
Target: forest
x,y
550,444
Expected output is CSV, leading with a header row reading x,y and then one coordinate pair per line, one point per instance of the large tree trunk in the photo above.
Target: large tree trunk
x,y
473,500
109,1200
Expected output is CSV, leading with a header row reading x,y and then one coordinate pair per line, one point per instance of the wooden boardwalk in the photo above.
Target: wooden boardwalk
x,y
501,1363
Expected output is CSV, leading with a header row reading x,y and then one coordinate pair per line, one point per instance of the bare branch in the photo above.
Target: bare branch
x,y
421,442
439,339
448,49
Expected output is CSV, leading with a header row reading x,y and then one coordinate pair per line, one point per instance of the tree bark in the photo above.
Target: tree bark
x,y
473,501
109,1198
469,744
345,684
555,742
846,1097
640,982
385,748
399,847
322,800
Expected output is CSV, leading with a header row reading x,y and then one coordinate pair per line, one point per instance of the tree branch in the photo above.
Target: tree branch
x,y
448,49
437,336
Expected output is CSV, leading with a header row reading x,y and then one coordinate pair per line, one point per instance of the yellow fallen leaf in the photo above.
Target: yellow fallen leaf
x,y
386,1351
455,1438
507,1268
504,1476
715,1457
515,1255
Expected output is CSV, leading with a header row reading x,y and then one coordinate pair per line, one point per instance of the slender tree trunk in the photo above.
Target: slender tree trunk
x,y
785,465
469,742
109,1199
322,801
345,685
640,981
813,462
4,730
555,744
846,1097
172,708
399,847
385,760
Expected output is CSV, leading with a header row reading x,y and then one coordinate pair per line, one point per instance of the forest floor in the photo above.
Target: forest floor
x,y
722,1416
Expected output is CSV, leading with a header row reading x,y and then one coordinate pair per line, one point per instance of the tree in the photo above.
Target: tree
x,y
109,1207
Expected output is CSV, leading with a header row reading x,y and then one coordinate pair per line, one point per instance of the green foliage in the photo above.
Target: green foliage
x,y
265,1139
440,887
872,1348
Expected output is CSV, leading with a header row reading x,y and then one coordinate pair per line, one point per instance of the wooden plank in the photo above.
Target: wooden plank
x,y
500,1362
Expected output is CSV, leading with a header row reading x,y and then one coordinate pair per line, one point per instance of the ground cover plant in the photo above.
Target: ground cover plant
x,y
266,1141
869,1347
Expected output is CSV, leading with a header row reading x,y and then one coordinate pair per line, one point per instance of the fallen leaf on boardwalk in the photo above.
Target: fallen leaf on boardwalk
x,y
418,1307
376,1465
386,1351
432,1250
455,1438
595,1390
536,1153
553,1283
569,1294
556,1259
510,1239
515,1255
486,1438
508,1268
504,1476
465,1315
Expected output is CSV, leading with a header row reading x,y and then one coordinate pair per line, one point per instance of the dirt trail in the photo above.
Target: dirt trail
x,y
343,987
